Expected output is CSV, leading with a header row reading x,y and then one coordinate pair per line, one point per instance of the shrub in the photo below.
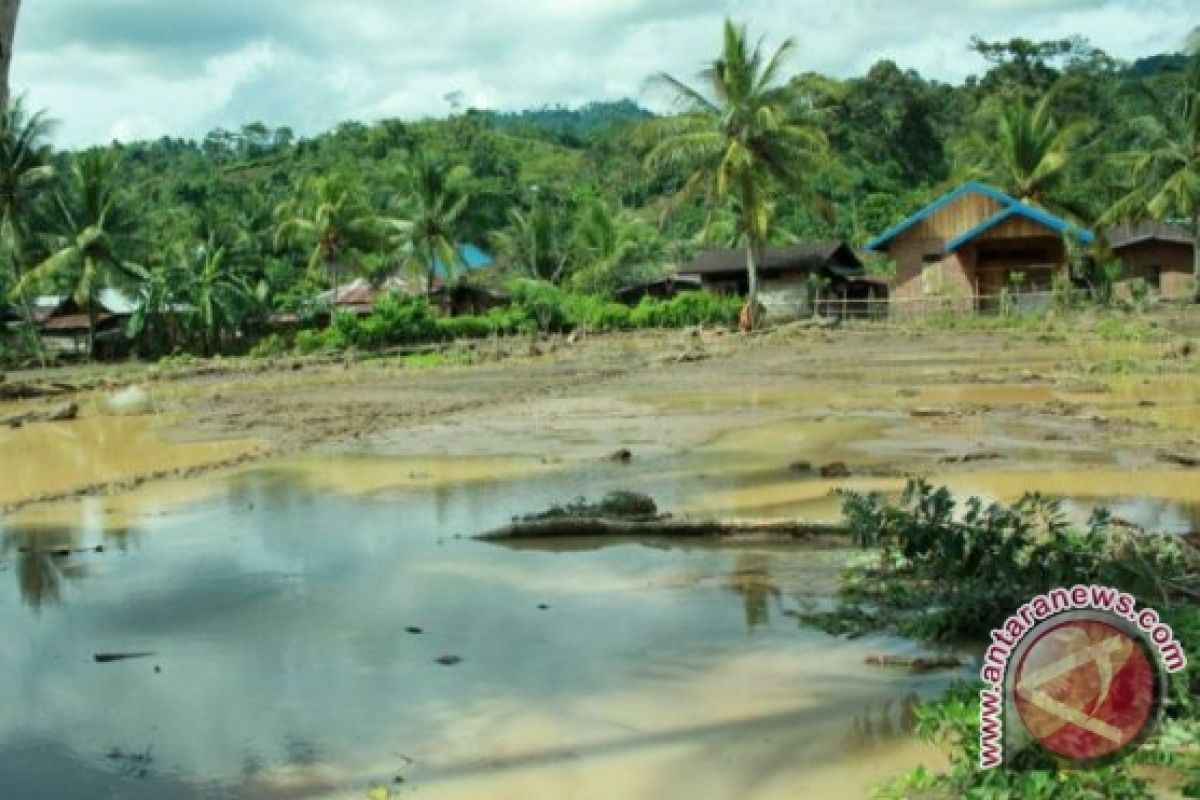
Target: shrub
x,y
689,308
272,345
597,314
464,328
543,303
310,341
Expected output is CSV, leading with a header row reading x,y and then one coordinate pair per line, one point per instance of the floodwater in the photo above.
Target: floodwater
x,y
51,459
275,605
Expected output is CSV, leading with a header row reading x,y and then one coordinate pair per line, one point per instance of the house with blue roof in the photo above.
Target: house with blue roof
x,y
971,244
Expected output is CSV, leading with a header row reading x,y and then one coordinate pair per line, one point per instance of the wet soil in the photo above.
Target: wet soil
x,y
995,412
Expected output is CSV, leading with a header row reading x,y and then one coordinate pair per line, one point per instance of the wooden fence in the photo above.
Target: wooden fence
x,y
918,307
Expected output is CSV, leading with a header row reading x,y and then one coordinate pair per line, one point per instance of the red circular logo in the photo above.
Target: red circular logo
x,y
1084,688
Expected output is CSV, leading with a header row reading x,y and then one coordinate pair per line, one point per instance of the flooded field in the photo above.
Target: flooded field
x,y
320,622
294,633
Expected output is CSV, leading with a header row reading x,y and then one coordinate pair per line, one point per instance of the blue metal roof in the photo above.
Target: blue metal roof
x,y
470,258
1011,207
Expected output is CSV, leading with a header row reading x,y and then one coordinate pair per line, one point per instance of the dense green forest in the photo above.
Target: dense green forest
x,y
254,221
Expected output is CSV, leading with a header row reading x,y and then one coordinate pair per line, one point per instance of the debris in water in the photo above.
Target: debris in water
x,y
1182,459
414,629
108,658
62,413
915,663
449,661
837,469
622,456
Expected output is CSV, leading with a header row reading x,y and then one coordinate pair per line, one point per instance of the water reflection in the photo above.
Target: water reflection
x,y
278,616
43,564
873,727
751,578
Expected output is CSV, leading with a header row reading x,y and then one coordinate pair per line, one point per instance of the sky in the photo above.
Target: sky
x,y
135,69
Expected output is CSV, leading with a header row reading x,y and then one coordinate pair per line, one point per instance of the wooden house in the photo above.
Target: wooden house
x,y
63,323
1159,254
966,247
786,290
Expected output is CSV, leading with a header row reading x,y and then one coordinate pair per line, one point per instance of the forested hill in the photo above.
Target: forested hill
x,y
566,194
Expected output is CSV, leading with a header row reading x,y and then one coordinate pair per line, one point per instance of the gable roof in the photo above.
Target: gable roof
x,y
1010,207
837,257
1130,235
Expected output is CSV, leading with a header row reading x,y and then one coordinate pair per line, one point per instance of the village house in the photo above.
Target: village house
x,y
63,323
1161,255
971,247
468,292
791,279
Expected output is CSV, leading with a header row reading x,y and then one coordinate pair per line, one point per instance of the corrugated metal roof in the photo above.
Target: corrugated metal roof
x,y
117,302
1129,235
833,255
470,258
1011,207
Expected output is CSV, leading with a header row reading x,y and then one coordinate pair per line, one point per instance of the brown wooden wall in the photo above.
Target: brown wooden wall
x,y
1174,262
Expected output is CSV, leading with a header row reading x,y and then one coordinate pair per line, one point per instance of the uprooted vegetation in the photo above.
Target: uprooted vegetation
x,y
940,576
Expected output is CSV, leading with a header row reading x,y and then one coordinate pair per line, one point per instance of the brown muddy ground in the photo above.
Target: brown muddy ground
x,y
996,413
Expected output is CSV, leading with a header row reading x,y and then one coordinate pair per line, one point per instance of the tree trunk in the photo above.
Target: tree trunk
x,y
752,258
1196,257
8,28
91,337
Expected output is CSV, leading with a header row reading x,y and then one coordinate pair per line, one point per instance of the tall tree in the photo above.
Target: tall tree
x,y
221,299
535,241
1165,167
8,29
740,135
329,217
429,202
611,247
25,180
91,233
1024,150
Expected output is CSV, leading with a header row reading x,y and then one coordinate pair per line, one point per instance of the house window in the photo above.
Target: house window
x,y
1153,278
931,275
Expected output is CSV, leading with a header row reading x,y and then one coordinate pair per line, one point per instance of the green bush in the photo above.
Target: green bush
x,y
597,313
687,309
311,341
536,305
272,345
542,303
452,328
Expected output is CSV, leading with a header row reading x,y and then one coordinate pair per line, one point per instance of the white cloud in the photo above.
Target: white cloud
x,y
140,68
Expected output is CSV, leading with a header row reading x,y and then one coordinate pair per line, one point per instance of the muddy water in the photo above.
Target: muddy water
x,y
276,606
54,458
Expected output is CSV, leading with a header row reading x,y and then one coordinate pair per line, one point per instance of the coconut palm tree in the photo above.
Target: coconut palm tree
x,y
535,242
609,246
740,135
221,298
8,28
25,179
429,200
90,232
1165,167
1025,150
331,219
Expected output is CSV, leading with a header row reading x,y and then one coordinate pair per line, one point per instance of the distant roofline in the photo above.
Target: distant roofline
x,y
1011,207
